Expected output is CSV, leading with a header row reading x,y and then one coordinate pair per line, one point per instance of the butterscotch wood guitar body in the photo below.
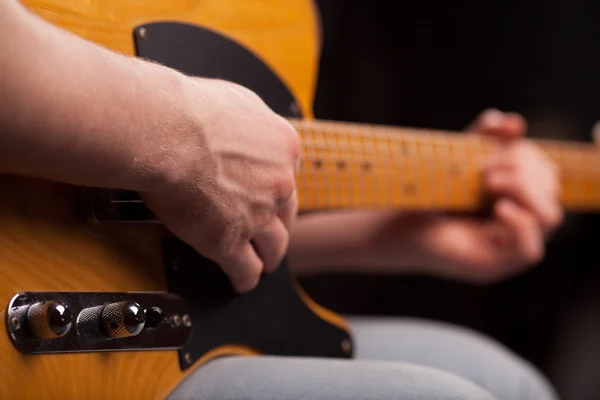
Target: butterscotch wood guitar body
x,y
53,257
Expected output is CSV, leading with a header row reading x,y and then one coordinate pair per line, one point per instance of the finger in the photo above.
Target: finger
x,y
527,239
489,118
271,244
515,125
537,196
288,211
596,133
243,267
493,122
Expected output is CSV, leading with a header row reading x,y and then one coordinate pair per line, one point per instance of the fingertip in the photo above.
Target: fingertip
x,y
596,133
514,124
485,120
245,285
271,245
492,118
244,274
494,122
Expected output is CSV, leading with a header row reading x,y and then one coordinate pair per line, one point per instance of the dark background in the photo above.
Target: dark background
x,y
437,64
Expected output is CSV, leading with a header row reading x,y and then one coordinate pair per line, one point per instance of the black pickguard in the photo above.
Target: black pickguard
x,y
272,319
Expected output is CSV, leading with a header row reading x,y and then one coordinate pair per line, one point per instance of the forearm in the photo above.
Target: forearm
x,y
348,241
75,112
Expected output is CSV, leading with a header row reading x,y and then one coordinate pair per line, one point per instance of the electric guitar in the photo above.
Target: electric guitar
x,y
99,301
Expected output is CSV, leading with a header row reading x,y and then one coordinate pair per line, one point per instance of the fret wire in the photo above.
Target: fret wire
x,y
569,198
580,165
563,157
416,134
442,165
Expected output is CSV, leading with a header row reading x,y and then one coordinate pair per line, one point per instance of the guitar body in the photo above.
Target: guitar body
x,y
46,247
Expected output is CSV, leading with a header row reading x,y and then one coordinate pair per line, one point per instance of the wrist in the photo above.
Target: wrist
x,y
169,142
402,242
367,241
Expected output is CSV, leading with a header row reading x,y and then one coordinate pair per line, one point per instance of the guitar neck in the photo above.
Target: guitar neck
x,y
360,165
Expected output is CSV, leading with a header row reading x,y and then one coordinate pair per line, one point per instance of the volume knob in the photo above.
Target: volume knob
x,y
49,319
122,319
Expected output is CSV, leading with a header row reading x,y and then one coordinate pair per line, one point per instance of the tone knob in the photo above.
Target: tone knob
x,y
49,319
122,319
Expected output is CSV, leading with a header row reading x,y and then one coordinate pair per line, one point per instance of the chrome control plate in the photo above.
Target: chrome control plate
x,y
170,330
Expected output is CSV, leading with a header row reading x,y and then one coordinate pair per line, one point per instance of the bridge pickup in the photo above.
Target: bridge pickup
x,y
64,322
98,205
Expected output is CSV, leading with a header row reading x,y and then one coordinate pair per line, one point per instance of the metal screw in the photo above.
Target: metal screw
x,y
143,33
346,346
294,108
14,321
186,320
175,321
188,358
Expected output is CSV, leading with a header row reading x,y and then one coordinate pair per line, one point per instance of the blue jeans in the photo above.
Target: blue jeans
x,y
395,359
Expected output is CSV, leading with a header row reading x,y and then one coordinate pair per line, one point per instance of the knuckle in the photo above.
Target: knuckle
x,y
284,188
230,237
294,142
225,246
262,217
529,226
521,179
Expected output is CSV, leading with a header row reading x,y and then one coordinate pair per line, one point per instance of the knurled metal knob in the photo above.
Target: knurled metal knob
x,y
122,319
49,319
112,321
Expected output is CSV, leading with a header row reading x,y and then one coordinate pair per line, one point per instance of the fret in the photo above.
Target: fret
x,y
360,165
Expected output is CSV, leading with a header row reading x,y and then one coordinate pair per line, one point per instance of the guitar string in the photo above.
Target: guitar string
x,y
333,152
362,189
418,134
560,150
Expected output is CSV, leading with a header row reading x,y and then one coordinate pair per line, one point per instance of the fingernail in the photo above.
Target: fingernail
x,y
493,117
